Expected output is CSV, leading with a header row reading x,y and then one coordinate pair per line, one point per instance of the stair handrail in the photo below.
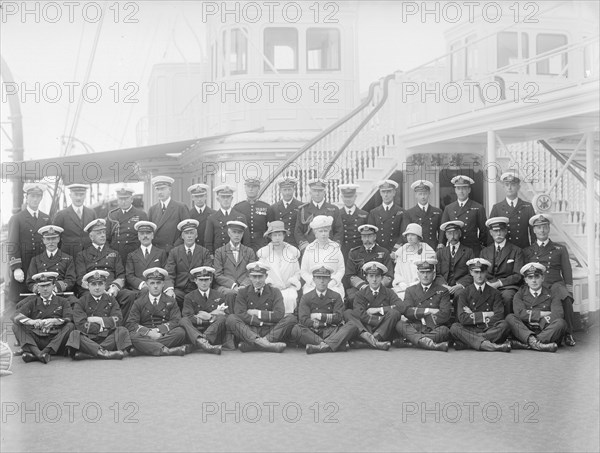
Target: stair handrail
x,y
386,80
274,175
558,156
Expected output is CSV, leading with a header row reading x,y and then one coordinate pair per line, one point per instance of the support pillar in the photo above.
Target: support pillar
x,y
591,210
491,173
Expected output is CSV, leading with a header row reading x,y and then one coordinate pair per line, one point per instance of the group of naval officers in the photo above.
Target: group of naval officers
x,y
257,277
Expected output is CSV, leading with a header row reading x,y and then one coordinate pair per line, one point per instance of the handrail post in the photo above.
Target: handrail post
x,y
492,177
591,209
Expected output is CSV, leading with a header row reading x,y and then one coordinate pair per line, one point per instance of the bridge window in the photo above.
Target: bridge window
x,y
555,64
238,56
323,49
509,51
281,49
470,56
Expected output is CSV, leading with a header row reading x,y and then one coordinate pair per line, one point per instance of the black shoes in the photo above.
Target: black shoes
x,y
315,349
203,344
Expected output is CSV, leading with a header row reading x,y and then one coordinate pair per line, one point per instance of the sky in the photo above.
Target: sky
x,y
49,56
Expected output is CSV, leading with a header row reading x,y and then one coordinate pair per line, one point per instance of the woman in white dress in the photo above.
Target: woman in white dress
x,y
414,251
284,262
323,251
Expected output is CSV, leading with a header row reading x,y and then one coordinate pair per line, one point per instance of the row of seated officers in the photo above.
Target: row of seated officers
x,y
94,326
290,266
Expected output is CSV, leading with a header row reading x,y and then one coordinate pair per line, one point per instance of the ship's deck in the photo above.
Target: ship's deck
x,y
362,400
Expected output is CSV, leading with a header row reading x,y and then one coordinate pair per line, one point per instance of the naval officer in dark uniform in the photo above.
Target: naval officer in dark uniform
x,y
427,309
315,207
200,211
259,321
355,279
538,322
73,220
154,320
376,309
144,257
121,234
43,322
558,277
516,210
204,313
215,235
24,242
388,217
481,325
424,214
471,213
321,315
166,214
99,326
286,209
452,260
352,218
255,211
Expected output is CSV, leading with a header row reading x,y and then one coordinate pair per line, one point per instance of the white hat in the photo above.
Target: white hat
x,y
145,225
414,228
461,180
224,189
321,221
374,267
157,273
478,263
421,184
96,275
158,181
533,268
50,231
188,224
348,189
497,223
198,189
96,224
236,223
387,184
77,187
33,187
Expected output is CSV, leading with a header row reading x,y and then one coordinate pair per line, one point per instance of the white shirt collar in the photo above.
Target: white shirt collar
x,y
48,253
462,203
501,244
318,205
387,206
539,291
319,293
200,210
146,247
224,211
543,244
166,202
126,210
478,287
190,248
32,211
233,246
426,206
350,211
512,201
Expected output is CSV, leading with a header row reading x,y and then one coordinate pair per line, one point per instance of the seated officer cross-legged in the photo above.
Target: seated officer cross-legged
x,y
154,320
320,312
259,321
43,322
99,331
376,309
481,325
426,309
538,322
204,313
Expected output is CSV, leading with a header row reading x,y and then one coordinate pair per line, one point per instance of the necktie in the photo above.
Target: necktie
x,y
375,293
285,206
226,213
498,250
79,214
164,208
461,205
535,294
424,208
155,301
321,296
259,292
453,251
204,296
387,208
35,215
480,290
189,254
425,288
145,253
512,204
51,256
